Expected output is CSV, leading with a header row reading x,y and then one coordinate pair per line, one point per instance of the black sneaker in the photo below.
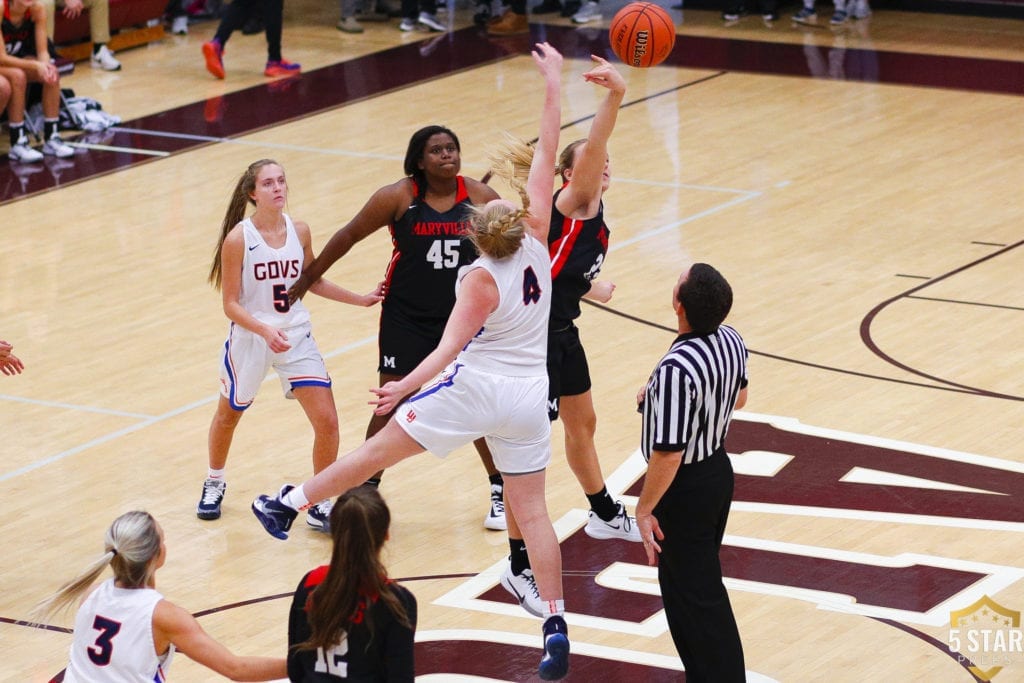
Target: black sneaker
x,y
483,15
275,516
213,494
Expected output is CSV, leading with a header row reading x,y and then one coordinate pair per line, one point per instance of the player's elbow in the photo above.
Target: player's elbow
x,y
741,398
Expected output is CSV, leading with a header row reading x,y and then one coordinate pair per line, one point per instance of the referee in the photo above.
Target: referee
x,y
687,406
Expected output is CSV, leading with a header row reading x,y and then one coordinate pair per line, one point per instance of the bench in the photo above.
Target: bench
x,y
132,23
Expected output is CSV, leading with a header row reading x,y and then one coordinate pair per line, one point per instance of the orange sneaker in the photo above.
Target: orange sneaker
x,y
510,23
282,68
213,52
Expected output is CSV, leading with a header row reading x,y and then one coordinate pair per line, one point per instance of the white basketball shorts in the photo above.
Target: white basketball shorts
x,y
465,404
247,359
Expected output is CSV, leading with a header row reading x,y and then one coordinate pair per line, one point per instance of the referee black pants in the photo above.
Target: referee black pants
x,y
692,515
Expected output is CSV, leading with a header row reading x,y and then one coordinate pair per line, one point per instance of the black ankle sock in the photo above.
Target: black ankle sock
x,y
49,128
16,131
496,480
518,557
603,505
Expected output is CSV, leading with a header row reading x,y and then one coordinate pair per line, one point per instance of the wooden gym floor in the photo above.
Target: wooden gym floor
x,y
860,188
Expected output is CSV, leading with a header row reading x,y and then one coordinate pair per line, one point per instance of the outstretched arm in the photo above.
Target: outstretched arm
x,y
478,296
584,190
538,183
378,211
327,289
172,624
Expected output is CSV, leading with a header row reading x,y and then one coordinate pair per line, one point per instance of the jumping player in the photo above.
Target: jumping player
x,y
578,242
427,215
494,383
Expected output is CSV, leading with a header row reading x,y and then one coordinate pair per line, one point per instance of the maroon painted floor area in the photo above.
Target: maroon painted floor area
x,y
184,128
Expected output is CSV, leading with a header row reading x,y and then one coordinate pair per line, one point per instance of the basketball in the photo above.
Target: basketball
x,y
642,34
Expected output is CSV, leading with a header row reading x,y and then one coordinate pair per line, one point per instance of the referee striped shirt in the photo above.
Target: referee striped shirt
x,y
690,396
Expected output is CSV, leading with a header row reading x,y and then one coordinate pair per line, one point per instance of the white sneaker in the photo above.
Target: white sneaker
x,y
431,21
22,153
495,519
179,26
860,9
523,588
104,59
319,516
56,147
590,11
621,526
407,25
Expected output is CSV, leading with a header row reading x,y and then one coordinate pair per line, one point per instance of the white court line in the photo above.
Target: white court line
x,y
621,244
100,440
746,195
147,421
71,406
270,145
689,186
112,148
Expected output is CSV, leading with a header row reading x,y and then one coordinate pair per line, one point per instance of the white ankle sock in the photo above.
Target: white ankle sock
x,y
556,608
215,474
296,499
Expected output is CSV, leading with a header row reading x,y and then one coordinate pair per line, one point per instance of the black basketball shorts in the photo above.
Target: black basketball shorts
x,y
568,372
402,343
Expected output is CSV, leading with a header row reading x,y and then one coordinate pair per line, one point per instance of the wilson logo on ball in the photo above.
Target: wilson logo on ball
x,y
642,34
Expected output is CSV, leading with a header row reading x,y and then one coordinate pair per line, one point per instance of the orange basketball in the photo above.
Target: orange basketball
x,y
642,34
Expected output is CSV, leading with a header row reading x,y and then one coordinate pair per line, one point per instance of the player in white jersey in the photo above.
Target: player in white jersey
x,y
495,384
257,259
125,631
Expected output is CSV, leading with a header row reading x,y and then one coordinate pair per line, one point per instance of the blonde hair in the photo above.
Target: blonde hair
x,y
497,229
129,547
242,195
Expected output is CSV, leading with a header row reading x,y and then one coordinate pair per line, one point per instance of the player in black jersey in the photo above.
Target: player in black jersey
x,y
426,214
578,242
348,621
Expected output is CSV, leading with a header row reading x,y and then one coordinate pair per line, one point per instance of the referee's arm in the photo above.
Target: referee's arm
x,y
661,470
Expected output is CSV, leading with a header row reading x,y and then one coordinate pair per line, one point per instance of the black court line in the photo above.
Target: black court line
x,y
869,342
808,364
277,102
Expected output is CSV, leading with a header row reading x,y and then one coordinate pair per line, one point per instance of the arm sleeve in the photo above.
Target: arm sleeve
x,y
671,392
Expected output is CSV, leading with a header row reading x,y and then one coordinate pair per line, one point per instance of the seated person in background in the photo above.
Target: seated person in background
x,y
99,27
26,58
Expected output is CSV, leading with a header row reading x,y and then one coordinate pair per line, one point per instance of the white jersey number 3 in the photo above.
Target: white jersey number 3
x,y
444,254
